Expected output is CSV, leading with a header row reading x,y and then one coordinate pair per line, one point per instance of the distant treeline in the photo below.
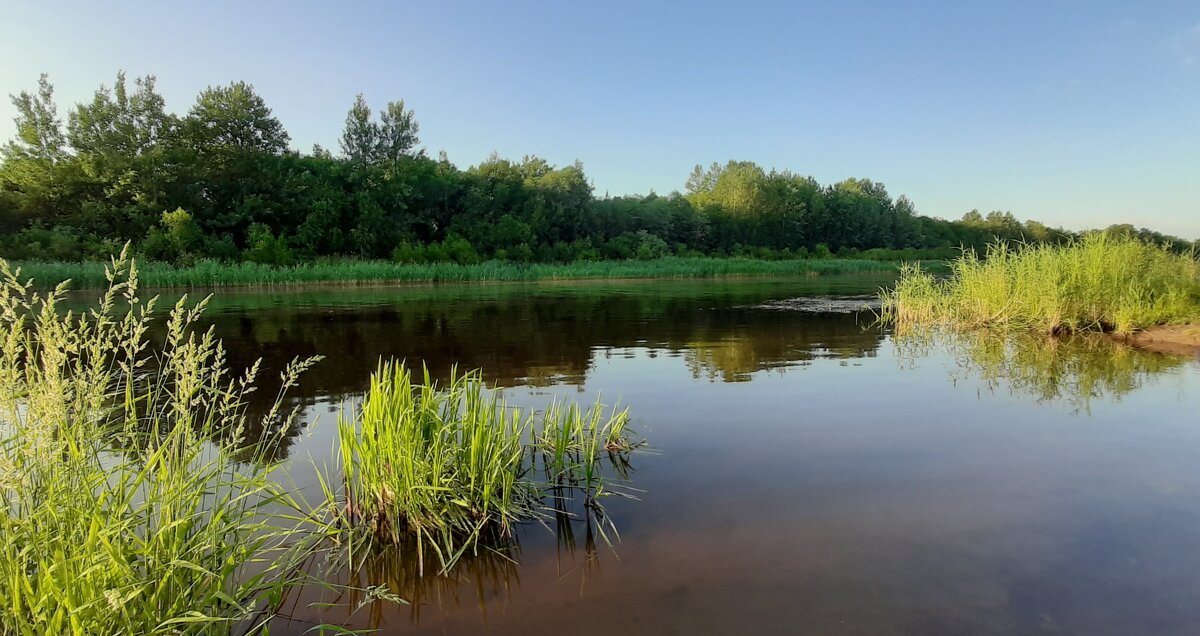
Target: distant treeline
x,y
220,182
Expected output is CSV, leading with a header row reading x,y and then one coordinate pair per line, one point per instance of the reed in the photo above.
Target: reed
x,y
122,510
447,465
206,274
1102,282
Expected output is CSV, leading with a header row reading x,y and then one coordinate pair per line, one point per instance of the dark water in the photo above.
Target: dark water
x,y
809,474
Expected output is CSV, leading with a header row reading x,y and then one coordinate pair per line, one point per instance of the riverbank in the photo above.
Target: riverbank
x,y
1173,339
90,275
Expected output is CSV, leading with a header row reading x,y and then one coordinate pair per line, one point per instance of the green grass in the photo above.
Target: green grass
x,y
215,274
128,504
1101,282
122,511
448,465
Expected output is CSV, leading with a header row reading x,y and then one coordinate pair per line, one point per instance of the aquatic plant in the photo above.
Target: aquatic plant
x,y
448,464
218,274
122,508
1102,282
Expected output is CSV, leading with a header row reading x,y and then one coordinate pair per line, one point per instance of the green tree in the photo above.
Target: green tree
x,y
234,117
360,134
398,130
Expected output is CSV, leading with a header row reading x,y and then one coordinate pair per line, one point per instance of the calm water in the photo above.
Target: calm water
x,y
809,474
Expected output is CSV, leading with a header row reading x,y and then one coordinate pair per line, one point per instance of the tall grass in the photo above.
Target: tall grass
x,y
1102,282
217,274
448,465
122,511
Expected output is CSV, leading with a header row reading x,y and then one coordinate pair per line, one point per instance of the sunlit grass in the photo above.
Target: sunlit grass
x,y
1101,282
122,510
446,465
217,274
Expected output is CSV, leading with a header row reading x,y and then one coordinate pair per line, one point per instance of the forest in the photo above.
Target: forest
x,y
221,182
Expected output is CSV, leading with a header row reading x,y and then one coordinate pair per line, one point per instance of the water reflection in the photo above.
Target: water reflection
x,y
535,342
539,337
802,483
388,588
1075,370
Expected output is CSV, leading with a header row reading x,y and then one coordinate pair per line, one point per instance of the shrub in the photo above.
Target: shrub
x,y
266,248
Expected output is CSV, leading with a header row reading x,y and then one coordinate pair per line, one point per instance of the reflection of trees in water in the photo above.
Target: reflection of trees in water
x,y
523,340
1074,369
735,355
533,341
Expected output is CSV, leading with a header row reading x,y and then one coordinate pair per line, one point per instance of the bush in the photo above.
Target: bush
x,y
460,251
38,243
266,248
650,246
641,245
408,253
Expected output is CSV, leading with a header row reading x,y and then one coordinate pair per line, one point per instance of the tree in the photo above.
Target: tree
x,y
38,174
702,181
119,125
389,140
397,132
360,134
39,130
235,118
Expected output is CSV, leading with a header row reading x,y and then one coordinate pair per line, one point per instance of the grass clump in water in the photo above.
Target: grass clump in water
x,y
122,511
1102,282
445,466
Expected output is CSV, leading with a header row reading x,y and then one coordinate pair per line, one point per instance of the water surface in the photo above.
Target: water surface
x,y
809,474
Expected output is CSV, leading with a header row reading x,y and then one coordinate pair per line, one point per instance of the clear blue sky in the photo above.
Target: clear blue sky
x,y
1079,113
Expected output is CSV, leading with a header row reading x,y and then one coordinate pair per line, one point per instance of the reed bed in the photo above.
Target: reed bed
x,y
122,510
207,274
1099,283
447,465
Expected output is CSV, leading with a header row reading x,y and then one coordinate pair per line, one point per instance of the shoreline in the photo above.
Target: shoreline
x,y
1169,339
212,275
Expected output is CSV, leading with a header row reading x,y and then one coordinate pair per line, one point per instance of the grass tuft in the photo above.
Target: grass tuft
x,y
122,511
447,465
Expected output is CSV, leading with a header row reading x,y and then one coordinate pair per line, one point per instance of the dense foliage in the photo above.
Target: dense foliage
x,y
220,182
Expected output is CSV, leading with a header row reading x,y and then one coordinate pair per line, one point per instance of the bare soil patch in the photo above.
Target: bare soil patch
x,y
1176,339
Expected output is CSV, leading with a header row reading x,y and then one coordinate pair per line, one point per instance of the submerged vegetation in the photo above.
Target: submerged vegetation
x,y
448,465
217,274
128,504
1103,282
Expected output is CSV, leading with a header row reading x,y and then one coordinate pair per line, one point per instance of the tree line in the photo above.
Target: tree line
x,y
221,182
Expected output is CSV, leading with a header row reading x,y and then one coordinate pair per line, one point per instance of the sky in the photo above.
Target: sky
x,y
1075,113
